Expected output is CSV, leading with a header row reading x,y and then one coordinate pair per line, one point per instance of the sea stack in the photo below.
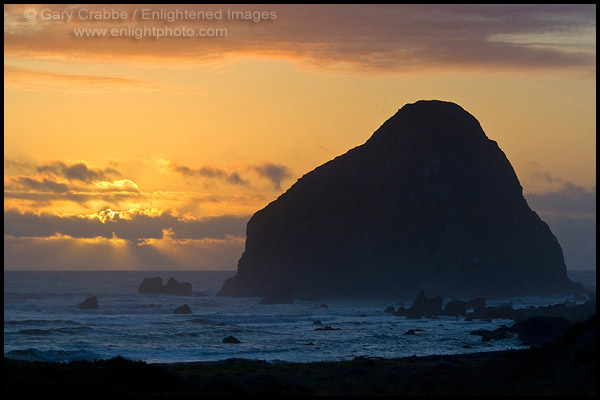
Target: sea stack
x,y
429,203
91,303
173,286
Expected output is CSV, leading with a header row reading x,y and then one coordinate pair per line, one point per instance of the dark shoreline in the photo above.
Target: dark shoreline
x,y
566,366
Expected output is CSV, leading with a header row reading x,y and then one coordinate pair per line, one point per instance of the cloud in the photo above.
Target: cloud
x,y
20,166
136,226
38,184
210,172
358,37
546,177
72,181
81,199
211,227
81,187
79,171
569,199
274,172
14,186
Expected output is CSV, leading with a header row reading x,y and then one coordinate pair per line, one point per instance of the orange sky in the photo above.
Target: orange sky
x,y
132,153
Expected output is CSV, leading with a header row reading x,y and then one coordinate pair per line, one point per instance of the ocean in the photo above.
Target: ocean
x,y
42,322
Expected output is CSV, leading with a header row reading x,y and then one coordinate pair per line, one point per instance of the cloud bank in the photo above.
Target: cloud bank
x,y
136,226
367,38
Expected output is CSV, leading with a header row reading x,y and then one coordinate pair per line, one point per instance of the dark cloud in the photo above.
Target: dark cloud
x,y
236,179
210,172
79,171
30,224
274,172
569,199
59,181
212,227
135,226
82,199
49,185
40,185
381,38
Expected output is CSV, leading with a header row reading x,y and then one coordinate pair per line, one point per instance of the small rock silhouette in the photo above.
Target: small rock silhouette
x,y
231,339
184,309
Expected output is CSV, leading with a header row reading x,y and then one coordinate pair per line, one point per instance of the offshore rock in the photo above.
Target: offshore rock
x,y
429,202
422,306
173,286
455,308
184,309
231,339
91,303
476,304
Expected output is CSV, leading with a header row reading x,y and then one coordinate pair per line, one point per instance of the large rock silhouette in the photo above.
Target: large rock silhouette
x,y
427,203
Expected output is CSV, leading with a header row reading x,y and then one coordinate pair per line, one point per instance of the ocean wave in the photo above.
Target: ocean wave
x,y
237,319
41,322
72,330
138,306
202,321
27,306
269,318
53,355
63,330
35,332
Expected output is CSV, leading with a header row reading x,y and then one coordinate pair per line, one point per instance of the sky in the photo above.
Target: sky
x,y
145,136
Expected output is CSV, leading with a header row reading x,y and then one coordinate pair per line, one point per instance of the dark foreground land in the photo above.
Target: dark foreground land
x,y
566,366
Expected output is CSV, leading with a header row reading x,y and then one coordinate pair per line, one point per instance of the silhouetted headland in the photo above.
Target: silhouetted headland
x,y
429,202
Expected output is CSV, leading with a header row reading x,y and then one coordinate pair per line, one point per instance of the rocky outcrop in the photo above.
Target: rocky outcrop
x,y
231,339
91,303
501,333
431,307
422,306
184,309
572,312
455,308
475,304
531,331
328,328
429,202
174,287
539,330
